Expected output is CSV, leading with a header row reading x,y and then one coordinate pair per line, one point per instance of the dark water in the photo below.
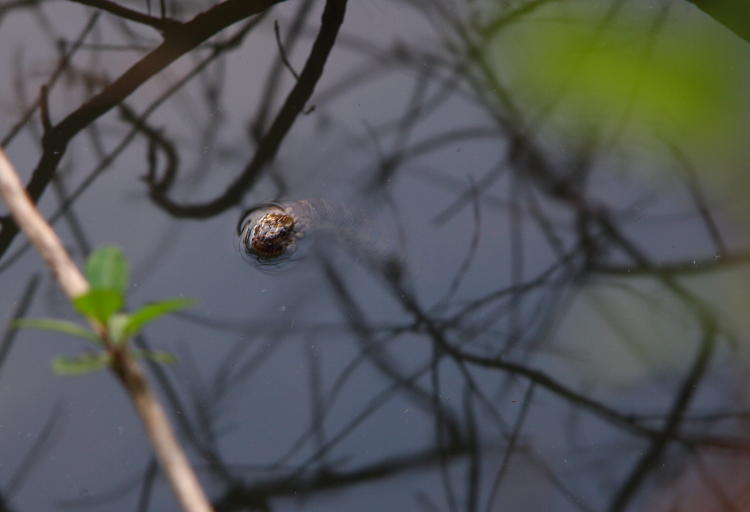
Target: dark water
x,y
524,321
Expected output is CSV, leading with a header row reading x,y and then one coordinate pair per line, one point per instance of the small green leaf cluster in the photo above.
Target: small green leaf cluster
x,y
107,273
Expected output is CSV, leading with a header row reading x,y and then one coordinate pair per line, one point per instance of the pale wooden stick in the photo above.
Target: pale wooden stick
x,y
168,451
39,232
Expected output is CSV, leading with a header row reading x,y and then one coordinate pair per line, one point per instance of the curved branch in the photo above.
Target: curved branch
x,y
333,17
177,42
650,459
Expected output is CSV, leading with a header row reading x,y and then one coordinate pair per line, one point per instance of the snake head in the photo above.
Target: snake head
x,y
272,235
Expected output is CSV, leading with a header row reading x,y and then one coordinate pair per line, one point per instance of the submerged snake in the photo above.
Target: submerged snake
x,y
272,232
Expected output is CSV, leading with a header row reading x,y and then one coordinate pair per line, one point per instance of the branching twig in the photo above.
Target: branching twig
x,y
161,24
282,51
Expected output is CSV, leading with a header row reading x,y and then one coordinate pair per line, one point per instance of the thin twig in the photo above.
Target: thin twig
x,y
161,24
282,51
44,108
23,303
512,443
169,453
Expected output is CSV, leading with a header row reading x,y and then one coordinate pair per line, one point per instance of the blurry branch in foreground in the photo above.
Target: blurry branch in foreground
x,y
173,460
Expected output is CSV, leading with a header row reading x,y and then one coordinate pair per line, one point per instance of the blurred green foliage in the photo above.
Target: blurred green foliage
x,y
627,331
643,75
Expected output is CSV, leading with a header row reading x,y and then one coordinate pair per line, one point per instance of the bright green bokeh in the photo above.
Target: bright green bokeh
x,y
642,78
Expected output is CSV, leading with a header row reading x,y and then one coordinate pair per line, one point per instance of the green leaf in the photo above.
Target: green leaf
x,y
51,324
107,269
99,304
80,365
116,328
157,356
151,312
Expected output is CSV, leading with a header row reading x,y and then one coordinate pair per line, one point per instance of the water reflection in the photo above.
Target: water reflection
x,y
511,297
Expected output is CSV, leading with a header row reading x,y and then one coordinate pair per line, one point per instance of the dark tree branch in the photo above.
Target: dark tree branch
x,y
6,342
240,496
161,24
177,42
282,51
686,267
659,444
44,108
333,17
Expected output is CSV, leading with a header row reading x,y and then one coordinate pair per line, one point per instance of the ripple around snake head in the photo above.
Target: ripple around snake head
x,y
271,234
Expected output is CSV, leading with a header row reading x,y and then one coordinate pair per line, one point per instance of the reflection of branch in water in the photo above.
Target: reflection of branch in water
x,y
62,66
698,196
476,448
38,449
282,51
348,305
375,351
105,161
6,342
158,144
471,251
271,89
628,422
649,460
177,42
509,451
200,438
333,17
459,388
239,496
149,477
